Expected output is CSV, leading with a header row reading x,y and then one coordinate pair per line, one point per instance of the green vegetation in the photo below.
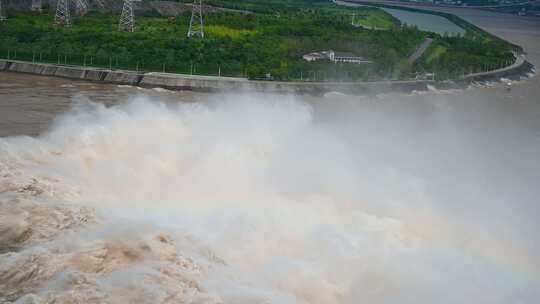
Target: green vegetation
x,y
223,31
260,38
451,57
377,20
434,52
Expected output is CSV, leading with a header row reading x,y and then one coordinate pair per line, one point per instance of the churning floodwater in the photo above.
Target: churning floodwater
x,y
132,195
116,194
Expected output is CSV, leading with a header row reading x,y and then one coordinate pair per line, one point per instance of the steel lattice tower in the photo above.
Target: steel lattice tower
x,y
36,5
81,7
127,19
2,14
62,16
196,27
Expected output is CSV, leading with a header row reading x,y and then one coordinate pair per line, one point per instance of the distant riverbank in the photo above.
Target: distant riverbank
x,y
424,22
400,10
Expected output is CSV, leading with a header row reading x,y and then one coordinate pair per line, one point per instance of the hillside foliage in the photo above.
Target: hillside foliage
x,y
264,38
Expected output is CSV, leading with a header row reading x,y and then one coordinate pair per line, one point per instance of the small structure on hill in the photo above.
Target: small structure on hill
x,y
316,56
341,57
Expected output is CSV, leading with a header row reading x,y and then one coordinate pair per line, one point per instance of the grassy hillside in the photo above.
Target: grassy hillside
x,y
270,38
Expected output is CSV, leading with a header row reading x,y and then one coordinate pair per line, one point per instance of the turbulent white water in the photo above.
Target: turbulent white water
x,y
270,199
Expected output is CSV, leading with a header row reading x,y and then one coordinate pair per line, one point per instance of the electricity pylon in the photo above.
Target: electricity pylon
x,y
62,16
2,14
127,19
196,27
81,7
36,6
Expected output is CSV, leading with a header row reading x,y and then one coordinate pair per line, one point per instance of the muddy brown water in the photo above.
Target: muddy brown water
x,y
390,198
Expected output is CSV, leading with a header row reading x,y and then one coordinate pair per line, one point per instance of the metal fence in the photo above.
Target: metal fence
x,y
230,70
123,63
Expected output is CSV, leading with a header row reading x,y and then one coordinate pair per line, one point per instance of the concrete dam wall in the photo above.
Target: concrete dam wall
x,y
207,83
211,83
521,67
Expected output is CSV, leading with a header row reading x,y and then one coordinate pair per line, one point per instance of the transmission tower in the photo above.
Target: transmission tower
x,y
36,6
81,7
62,16
2,14
127,19
196,27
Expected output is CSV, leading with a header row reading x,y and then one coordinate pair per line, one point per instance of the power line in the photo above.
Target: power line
x,y
62,16
196,27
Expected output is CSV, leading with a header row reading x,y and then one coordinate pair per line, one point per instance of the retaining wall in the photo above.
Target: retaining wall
x,y
69,72
121,77
520,69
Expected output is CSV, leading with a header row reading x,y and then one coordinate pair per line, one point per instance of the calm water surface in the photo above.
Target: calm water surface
x,y
427,22
424,22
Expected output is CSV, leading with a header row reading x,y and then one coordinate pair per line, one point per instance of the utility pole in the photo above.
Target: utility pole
x,y
62,16
36,6
196,27
2,13
81,7
127,19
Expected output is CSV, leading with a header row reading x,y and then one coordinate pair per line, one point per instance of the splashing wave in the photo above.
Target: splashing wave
x,y
245,199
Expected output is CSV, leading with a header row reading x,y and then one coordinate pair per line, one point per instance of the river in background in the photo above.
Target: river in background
x,y
121,194
424,22
427,22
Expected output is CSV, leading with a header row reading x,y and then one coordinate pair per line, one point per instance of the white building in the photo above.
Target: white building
x,y
318,56
336,57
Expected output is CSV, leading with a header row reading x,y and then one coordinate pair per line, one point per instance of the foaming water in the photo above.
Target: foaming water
x,y
272,199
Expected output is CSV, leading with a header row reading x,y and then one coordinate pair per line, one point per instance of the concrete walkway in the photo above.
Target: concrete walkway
x,y
420,50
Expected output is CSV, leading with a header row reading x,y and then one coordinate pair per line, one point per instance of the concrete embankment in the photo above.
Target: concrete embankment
x,y
520,67
209,83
